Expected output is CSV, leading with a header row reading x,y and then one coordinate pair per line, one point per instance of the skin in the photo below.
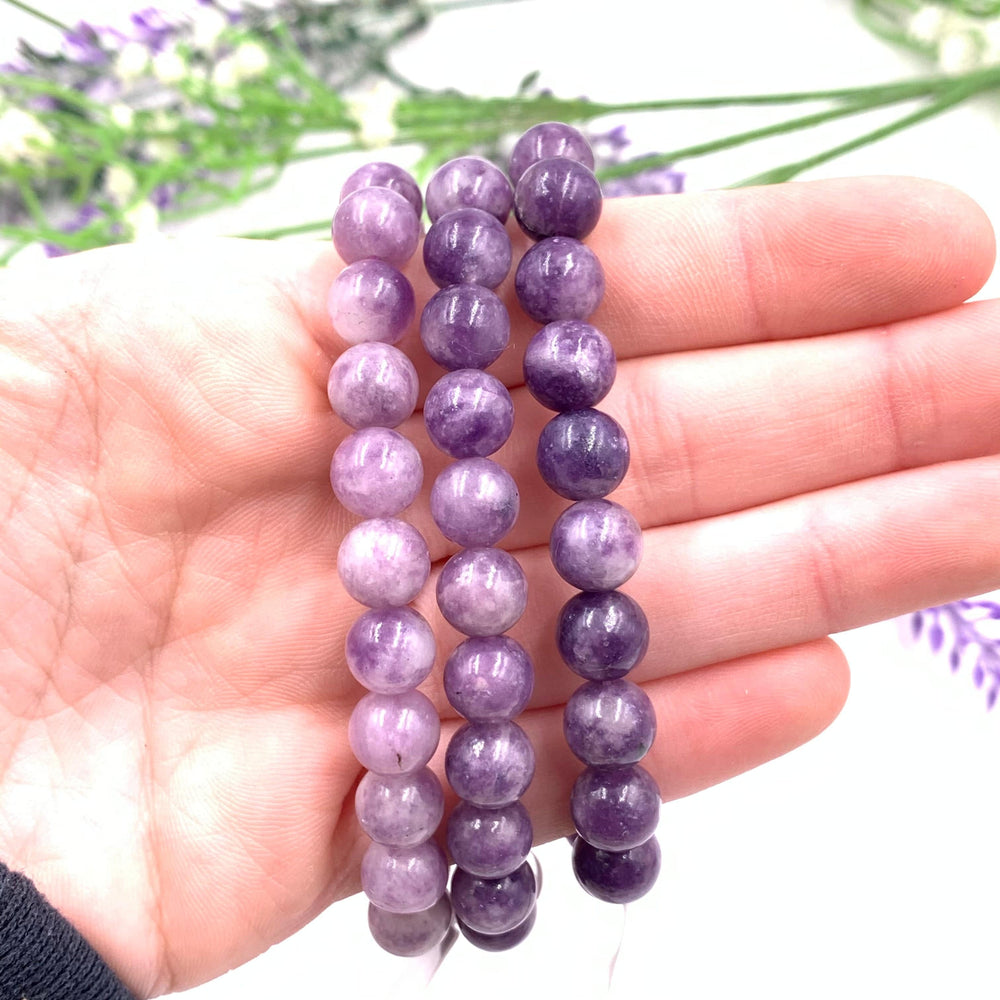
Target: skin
x,y
814,426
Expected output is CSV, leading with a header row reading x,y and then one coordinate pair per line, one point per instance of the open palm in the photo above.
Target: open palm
x,y
174,767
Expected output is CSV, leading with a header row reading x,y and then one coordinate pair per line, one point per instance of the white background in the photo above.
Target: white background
x,y
865,864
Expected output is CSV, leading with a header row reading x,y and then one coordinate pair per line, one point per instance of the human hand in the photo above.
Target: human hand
x,y
174,767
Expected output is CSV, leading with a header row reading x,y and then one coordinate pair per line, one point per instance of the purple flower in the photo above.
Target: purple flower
x,y
609,150
84,46
151,28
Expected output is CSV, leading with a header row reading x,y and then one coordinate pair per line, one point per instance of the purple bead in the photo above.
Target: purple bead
x,y
609,722
603,635
582,454
499,942
616,876
569,365
474,502
376,472
467,246
464,326
372,385
469,182
490,763
390,650
376,222
615,808
404,879
394,733
545,140
371,301
482,591
410,934
559,278
399,810
595,545
383,562
557,197
468,413
386,175
493,905
489,678
489,842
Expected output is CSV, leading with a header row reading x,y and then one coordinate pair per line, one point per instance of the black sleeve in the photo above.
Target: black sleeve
x,y
42,955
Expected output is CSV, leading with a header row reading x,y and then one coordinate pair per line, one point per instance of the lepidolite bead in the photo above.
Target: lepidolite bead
x,y
549,139
489,678
569,365
559,278
557,197
383,562
386,175
582,454
372,385
595,545
468,413
467,246
376,222
490,763
489,842
602,636
404,879
609,722
376,472
464,326
410,934
474,502
615,808
617,876
493,905
399,810
390,650
394,733
469,182
482,591
371,301
499,942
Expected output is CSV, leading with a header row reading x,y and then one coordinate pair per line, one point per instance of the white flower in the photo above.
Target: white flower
x,y
224,74
169,66
132,61
207,25
23,137
373,111
928,24
119,184
251,60
143,221
122,115
959,52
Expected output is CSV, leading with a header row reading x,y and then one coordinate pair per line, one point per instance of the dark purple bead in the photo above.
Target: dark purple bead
x,y
383,562
615,808
390,650
465,326
400,810
404,879
371,301
616,876
468,413
609,722
489,678
474,502
549,139
489,842
569,365
582,454
467,246
482,591
376,222
499,942
559,278
557,197
394,733
385,175
376,472
602,635
595,545
410,934
469,182
490,763
493,905
372,385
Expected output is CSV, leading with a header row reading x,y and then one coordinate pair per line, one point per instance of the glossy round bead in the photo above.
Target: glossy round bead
x,y
468,413
372,385
410,934
493,905
499,942
376,222
383,562
490,763
376,472
616,876
469,182
558,197
489,842
582,454
465,326
400,810
371,301
609,722
615,808
569,365
602,636
390,650
467,245
394,733
474,502
595,545
404,879
482,591
549,139
489,678
559,278
387,175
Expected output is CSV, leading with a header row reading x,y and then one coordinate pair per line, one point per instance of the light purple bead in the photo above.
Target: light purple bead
x,y
390,650
615,808
499,942
399,810
582,454
490,763
469,182
557,197
549,139
602,636
559,278
394,733
609,722
569,365
468,413
482,591
372,385
489,843
376,472
617,876
494,905
404,879
410,934
376,222
595,545
387,175
465,326
467,246
371,301
383,562
489,678
474,502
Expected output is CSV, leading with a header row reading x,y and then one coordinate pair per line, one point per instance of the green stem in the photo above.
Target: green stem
x,y
319,225
48,19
